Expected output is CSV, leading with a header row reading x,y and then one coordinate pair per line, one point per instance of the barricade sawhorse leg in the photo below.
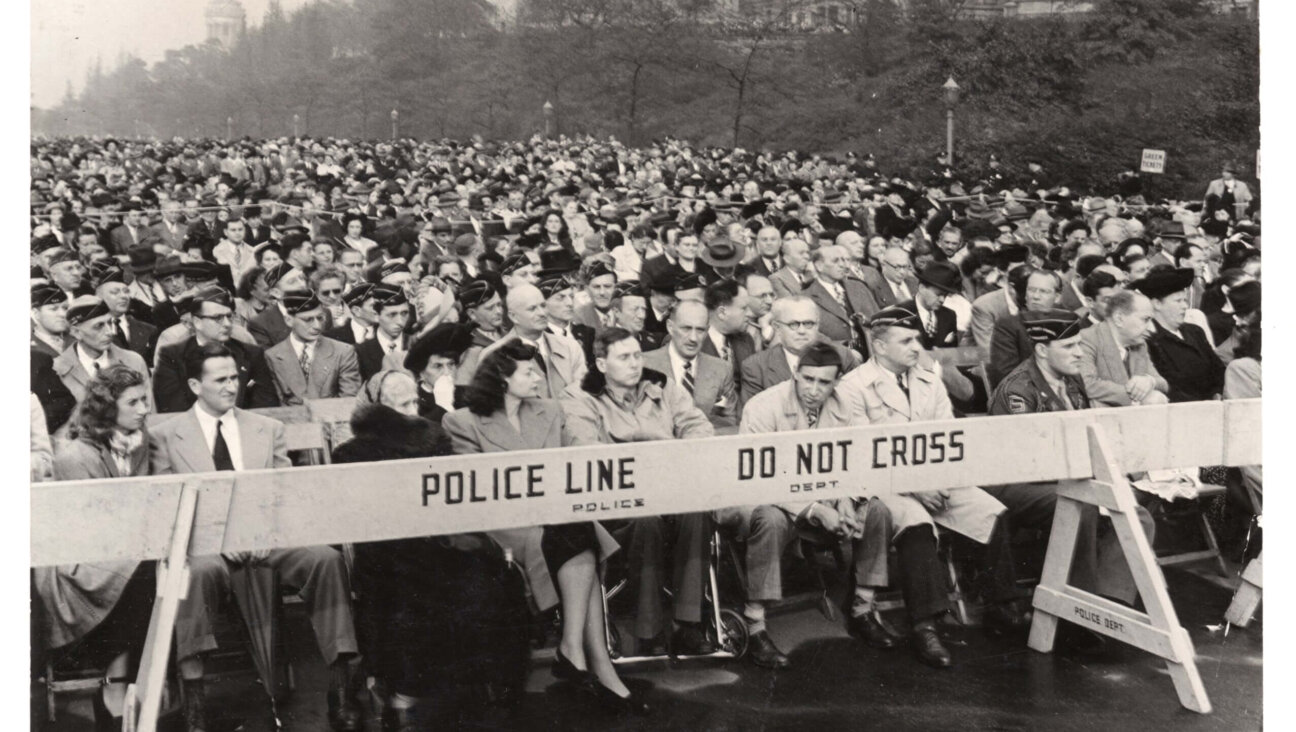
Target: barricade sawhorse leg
x,y
144,697
1157,631
1247,598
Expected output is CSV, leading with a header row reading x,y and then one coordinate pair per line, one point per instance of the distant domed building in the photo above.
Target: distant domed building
x,y
226,21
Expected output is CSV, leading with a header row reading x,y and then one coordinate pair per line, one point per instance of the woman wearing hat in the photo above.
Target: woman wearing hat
x,y
1179,349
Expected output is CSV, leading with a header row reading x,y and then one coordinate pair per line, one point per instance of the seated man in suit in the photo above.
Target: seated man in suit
x,y
769,246
360,326
622,401
893,387
600,285
558,288
211,319
936,282
128,332
386,350
90,323
796,326
169,272
630,310
1115,364
271,327
306,365
727,337
760,301
807,400
1097,289
842,302
707,379
216,435
796,272
896,283
560,359
991,306
1180,350
1010,345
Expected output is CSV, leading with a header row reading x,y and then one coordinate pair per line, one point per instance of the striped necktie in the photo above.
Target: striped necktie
x,y
688,377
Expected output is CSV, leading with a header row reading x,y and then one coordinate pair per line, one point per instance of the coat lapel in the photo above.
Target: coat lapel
x,y
776,366
323,362
884,382
256,443
824,299
289,368
191,447
497,430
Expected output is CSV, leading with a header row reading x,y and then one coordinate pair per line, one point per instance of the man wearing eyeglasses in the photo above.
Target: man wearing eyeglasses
x,y
796,326
897,283
211,312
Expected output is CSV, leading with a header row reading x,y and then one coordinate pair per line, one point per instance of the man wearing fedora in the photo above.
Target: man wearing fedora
x,y
936,281
719,258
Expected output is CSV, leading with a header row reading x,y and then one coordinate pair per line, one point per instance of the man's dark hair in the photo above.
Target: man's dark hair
x,y
720,293
1184,251
1097,281
196,359
605,340
1088,263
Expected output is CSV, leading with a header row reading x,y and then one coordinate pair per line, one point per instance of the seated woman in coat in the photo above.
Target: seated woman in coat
x,y
419,599
98,614
505,413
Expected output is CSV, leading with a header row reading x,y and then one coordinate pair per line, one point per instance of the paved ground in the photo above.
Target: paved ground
x,y
838,683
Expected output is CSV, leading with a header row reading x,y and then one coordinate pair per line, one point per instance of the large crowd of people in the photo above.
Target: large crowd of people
x,y
485,296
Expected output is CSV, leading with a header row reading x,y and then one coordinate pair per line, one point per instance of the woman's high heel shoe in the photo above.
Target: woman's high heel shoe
x,y
614,703
566,670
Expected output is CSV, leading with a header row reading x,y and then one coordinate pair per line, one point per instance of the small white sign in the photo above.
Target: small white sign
x,y
1153,161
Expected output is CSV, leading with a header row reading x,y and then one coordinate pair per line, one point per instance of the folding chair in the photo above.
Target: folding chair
x,y
1212,550
727,626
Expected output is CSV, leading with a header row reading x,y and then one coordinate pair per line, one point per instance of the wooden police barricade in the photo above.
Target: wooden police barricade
x,y
149,518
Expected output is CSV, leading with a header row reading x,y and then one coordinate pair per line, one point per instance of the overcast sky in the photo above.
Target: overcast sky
x,y
67,35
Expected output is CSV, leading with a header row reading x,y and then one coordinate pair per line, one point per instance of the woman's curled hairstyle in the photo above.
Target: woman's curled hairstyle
x,y
96,416
484,395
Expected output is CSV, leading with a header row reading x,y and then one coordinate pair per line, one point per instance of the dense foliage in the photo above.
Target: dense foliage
x,y
1084,92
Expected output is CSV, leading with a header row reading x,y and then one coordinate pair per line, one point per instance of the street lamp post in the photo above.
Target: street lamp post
x,y
395,116
229,128
951,89
548,118
296,125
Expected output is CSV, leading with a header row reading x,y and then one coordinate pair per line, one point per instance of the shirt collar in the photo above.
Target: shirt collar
x,y
88,363
298,345
208,423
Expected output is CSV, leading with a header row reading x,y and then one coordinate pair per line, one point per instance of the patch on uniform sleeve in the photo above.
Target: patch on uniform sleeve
x,y
1017,404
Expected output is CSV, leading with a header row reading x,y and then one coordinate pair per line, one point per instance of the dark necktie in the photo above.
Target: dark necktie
x,y
688,377
119,335
220,453
812,418
900,381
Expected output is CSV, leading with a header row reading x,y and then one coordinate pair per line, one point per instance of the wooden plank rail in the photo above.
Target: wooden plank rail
x,y
1088,451
133,517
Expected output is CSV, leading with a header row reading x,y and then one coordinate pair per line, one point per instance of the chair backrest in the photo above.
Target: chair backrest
x,y
958,357
308,436
335,415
